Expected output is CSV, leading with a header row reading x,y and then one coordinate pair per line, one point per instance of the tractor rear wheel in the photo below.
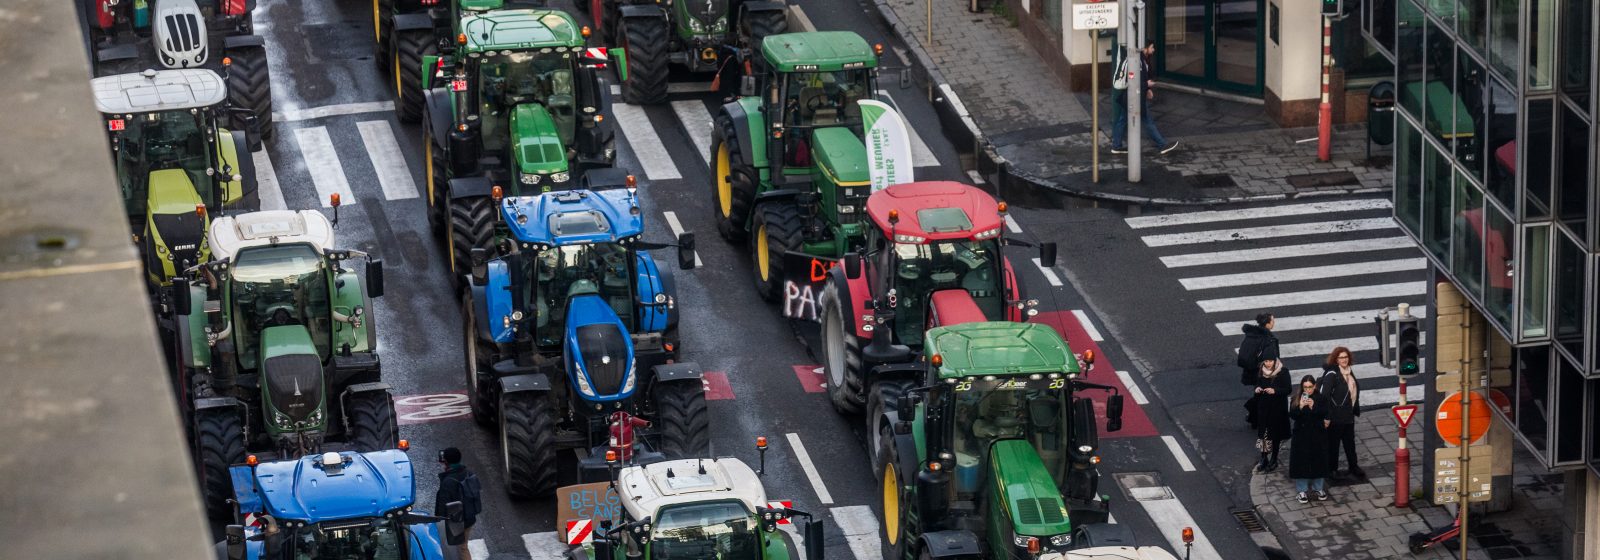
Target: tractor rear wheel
x,y
883,399
382,23
891,503
471,227
841,352
777,231
645,41
410,45
527,444
477,357
734,180
219,444
250,87
371,417
684,423
610,15
759,26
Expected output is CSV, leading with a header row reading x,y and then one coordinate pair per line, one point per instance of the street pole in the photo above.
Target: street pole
x,y
927,43
1402,454
1133,45
1466,427
1094,94
1325,112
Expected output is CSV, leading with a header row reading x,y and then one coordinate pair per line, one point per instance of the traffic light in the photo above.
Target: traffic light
x,y
1408,348
1332,7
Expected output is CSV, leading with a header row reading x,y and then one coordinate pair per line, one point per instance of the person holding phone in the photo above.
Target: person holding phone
x,y
1308,450
1271,403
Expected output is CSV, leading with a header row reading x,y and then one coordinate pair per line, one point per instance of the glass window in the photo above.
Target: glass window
x,y
1577,36
1470,22
1439,95
1436,203
1470,113
1537,158
1569,393
1535,281
1408,176
1569,296
1500,139
1573,184
1383,19
1532,401
1504,50
1409,53
1541,43
1466,237
1499,263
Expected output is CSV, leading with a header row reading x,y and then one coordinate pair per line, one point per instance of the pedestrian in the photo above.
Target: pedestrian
x,y
1258,343
1119,87
1308,450
1343,390
458,484
1272,411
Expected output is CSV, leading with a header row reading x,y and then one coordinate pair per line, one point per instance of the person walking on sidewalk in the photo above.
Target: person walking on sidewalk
x,y
1308,451
1258,343
1272,412
458,484
1343,390
1119,86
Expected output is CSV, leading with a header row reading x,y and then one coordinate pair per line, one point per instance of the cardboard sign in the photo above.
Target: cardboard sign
x,y
595,502
804,278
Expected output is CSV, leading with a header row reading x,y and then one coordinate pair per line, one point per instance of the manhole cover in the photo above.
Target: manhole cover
x,y
1331,179
1212,181
1249,520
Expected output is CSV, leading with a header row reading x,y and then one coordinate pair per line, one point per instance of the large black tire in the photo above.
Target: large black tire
x,y
479,397
219,444
527,444
609,22
645,40
841,352
382,27
471,226
733,182
882,399
757,26
891,502
437,166
371,419
250,88
777,230
681,417
408,48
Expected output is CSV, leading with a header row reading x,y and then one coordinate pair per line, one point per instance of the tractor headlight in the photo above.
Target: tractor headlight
x,y
1022,541
847,209
282,420
1061,540
314,419
661,298
560,177
583,380
696,26
530,178
627,380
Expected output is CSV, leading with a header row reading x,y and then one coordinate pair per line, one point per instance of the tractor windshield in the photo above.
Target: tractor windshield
x,y
920,270
373,539
279,285
563,272
165,140
826,98
514,78
706,530
1014,408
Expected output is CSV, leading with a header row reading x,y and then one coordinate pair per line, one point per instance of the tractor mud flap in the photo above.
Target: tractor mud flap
x,y
522,383
804,277
209,403
677,371
1102,534
243,41
465,187
403,22
437,100
763,6
117,52
605,179
345,367
244,483
951,544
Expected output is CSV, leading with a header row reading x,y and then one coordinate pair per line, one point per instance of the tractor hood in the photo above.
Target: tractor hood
x,y
573,217
538,148
292,373
841,156
599,346
176,229
1023,483
365,485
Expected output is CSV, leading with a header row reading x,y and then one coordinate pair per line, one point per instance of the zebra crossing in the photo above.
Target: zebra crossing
x,y
1324,269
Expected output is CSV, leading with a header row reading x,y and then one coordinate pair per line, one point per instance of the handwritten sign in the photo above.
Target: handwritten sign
x,y
596,502
805,276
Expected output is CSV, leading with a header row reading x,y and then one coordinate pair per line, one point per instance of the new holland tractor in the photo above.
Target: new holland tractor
x,y
135,35
515,105
990,451
331,506
278,342
572,340
712,36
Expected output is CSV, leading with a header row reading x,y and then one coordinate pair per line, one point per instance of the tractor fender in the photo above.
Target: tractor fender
x,y
407,22
908,370
749,126
467,187
641,10
753,6
950,544
777,194
232,42
425,541
522,383
679,371
207,403
853,298
492,302
605,178
654,279
437,104
125,51
364,388
237,153
906,455
1102,534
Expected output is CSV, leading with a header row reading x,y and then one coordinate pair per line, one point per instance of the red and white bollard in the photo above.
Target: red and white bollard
x,y
1325,111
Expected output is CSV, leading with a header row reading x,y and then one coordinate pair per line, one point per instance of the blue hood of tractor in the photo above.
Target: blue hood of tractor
x,y
368,485
570,217
599,350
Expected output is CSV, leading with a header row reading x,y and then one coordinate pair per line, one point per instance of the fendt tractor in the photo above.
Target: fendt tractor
x,y
279,346
571,340
136,35
514,104
718,36
991,451
331,506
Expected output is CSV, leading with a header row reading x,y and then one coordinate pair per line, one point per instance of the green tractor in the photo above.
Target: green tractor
x,y
514,106
990,452
407,30
279,346
702,37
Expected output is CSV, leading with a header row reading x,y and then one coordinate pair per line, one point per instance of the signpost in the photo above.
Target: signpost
x,y
1092,18
1402,412
1454,475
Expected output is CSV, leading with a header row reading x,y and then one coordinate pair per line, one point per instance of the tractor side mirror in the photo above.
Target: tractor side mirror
x,y
813,540
180,296
747,86
235,541
905,78
852,265
1114,413
374,277
1047,254
686,251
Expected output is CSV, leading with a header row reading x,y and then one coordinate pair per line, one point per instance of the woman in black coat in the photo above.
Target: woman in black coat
x,y
1271,411
1343,390
1308,452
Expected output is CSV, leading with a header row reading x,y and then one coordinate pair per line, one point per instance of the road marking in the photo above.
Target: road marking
x,y
1177,453
1308,273
292,115
717,386
1168,513
270,193
1289,251
695,119
921,156
646,144
323,164
677,230
810,469
1341,319
800,17
977,178
812,378
616,89
1390,395
1268,232
1323,347
545,545
1270,301
1186,218
1011,225
1048,274
394,175
860,528
419,409
478,549
1088,326
1133,390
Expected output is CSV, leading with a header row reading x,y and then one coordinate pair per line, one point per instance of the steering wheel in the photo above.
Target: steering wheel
x,y
815,103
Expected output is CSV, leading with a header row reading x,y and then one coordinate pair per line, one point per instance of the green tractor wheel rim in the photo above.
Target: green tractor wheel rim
x,y
724,185
891,505
762,259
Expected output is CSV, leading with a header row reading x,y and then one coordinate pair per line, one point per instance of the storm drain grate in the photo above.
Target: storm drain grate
x,y
1212,181
1313,180
1251,522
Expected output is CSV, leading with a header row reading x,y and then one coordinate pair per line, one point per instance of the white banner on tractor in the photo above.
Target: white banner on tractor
x,y
888,145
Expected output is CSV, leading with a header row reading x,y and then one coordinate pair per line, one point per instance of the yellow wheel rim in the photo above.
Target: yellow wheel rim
x,y
450,250
427,163
891,505
724,186
762,260
399,92
377,32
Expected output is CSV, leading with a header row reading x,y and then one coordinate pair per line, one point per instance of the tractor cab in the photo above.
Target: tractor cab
x,y
812,83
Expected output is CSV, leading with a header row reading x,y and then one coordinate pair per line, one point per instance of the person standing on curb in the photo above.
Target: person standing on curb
x,y
1308,451
458,484
1343,390
1272,412
1258,343
1119,86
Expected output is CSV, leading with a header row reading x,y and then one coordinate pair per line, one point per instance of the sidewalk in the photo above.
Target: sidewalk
x,y
1360,522
1030,129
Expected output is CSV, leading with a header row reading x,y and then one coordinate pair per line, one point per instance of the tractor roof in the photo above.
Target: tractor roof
x,y
825,51
571,217
158,90
520,30
1000,349
366,485
936,211
229,234
645,490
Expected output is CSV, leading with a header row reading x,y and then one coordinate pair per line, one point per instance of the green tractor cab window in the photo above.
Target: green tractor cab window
x,y
706,530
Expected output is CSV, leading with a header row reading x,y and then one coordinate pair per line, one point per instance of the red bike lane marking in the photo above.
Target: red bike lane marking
x,y
1135,423
811,378
717,386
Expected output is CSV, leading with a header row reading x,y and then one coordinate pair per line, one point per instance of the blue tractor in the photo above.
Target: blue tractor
x,y
572,340
334,505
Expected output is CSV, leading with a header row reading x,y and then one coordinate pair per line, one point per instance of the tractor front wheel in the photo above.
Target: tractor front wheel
x,y
471,226
883,399
776,232
477,354
891,503
735,182
250,88
410,45
841,353
684,423
645,41
219,444
436,164
527,444
371,417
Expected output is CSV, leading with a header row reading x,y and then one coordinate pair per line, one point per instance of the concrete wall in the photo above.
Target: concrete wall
x,y
1293,77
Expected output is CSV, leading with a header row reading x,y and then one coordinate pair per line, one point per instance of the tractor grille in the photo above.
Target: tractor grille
x,y
183,32
182,234
295,383
1033,511
605,356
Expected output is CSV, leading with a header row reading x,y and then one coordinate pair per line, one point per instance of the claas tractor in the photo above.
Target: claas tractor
x,y
515,105
331,506
572,340
990,451
277,338
134,35
718,36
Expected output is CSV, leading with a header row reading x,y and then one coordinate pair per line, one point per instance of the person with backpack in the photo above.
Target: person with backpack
x,y
1119,86
458,484
1258,344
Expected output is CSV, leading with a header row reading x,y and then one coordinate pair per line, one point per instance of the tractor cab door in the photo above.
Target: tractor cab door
x,y
589,136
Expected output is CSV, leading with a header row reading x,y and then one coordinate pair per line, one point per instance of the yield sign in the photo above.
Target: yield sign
x,y
1403,413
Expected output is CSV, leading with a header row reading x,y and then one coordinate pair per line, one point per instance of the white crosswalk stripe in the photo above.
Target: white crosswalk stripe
x,y
697,122
646,144
267,182
1267,232
393,173
327,174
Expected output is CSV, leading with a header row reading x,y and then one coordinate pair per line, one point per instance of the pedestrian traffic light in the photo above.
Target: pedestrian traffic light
x,y
1332,7
1408,348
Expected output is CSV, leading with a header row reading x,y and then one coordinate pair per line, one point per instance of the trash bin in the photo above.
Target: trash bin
x,y
1380,113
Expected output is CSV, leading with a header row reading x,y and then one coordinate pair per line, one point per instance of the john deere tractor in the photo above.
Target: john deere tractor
x,y
571,339
513,105
278,339
713,36
990,450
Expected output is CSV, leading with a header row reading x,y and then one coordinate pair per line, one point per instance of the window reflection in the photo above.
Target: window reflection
x,y
1469,22
1500,139
1504,50
1499,241
1467,237
1535,281
1470,114
1577,35
1536,159
1541,43
1569,435
1409,54
1532,400
1408,175
1436,203
1573,184
1569,296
